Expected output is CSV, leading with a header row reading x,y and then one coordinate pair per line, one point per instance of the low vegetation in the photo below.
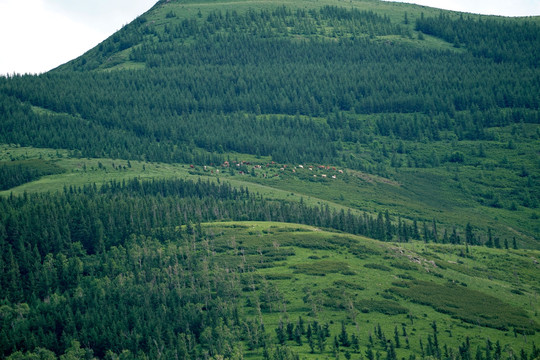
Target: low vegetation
x,y
469,305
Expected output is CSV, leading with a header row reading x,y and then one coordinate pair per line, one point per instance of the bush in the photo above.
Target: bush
x,y
456,157
386,307
321,268
468,305
403,265
348,285
377,267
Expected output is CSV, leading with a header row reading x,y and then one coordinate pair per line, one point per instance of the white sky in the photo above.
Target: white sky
x,y
39,35
487,7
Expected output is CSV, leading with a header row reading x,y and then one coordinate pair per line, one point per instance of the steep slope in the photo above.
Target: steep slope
x,y
441,104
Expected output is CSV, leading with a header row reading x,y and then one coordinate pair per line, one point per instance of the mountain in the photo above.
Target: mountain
x,y
276,179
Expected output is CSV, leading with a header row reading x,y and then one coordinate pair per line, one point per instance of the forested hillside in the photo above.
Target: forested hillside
x,y
129,271
146,186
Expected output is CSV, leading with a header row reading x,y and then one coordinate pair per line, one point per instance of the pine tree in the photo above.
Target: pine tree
x,y
478,355
436,349
469,235
298,335
391,354
369,353
290,331
280,333
355,343
498,351
426,233
435,236
309,336
343,336
445,237
13,278
489,242
416,233
301,325
321,340
335,348
489,347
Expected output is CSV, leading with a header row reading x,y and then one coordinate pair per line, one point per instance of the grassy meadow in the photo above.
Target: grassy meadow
x,y
296,271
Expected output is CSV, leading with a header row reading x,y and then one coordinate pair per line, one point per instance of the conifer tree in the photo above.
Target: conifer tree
x,y
344,336
309,336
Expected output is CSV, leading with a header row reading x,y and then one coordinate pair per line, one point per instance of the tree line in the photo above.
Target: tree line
x,y
15,173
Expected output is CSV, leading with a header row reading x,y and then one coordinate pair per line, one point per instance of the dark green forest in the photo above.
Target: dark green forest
x,y
429,121
207,80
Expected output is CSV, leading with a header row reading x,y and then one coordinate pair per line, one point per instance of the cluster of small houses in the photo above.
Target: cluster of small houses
x,y
273,164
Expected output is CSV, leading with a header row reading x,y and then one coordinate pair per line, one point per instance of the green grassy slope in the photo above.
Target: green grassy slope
x,y
334,278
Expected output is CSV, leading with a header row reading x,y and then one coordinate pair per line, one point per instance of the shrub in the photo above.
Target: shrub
x,y
468,305
348,285
321,268
386,307
403,265
377,267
